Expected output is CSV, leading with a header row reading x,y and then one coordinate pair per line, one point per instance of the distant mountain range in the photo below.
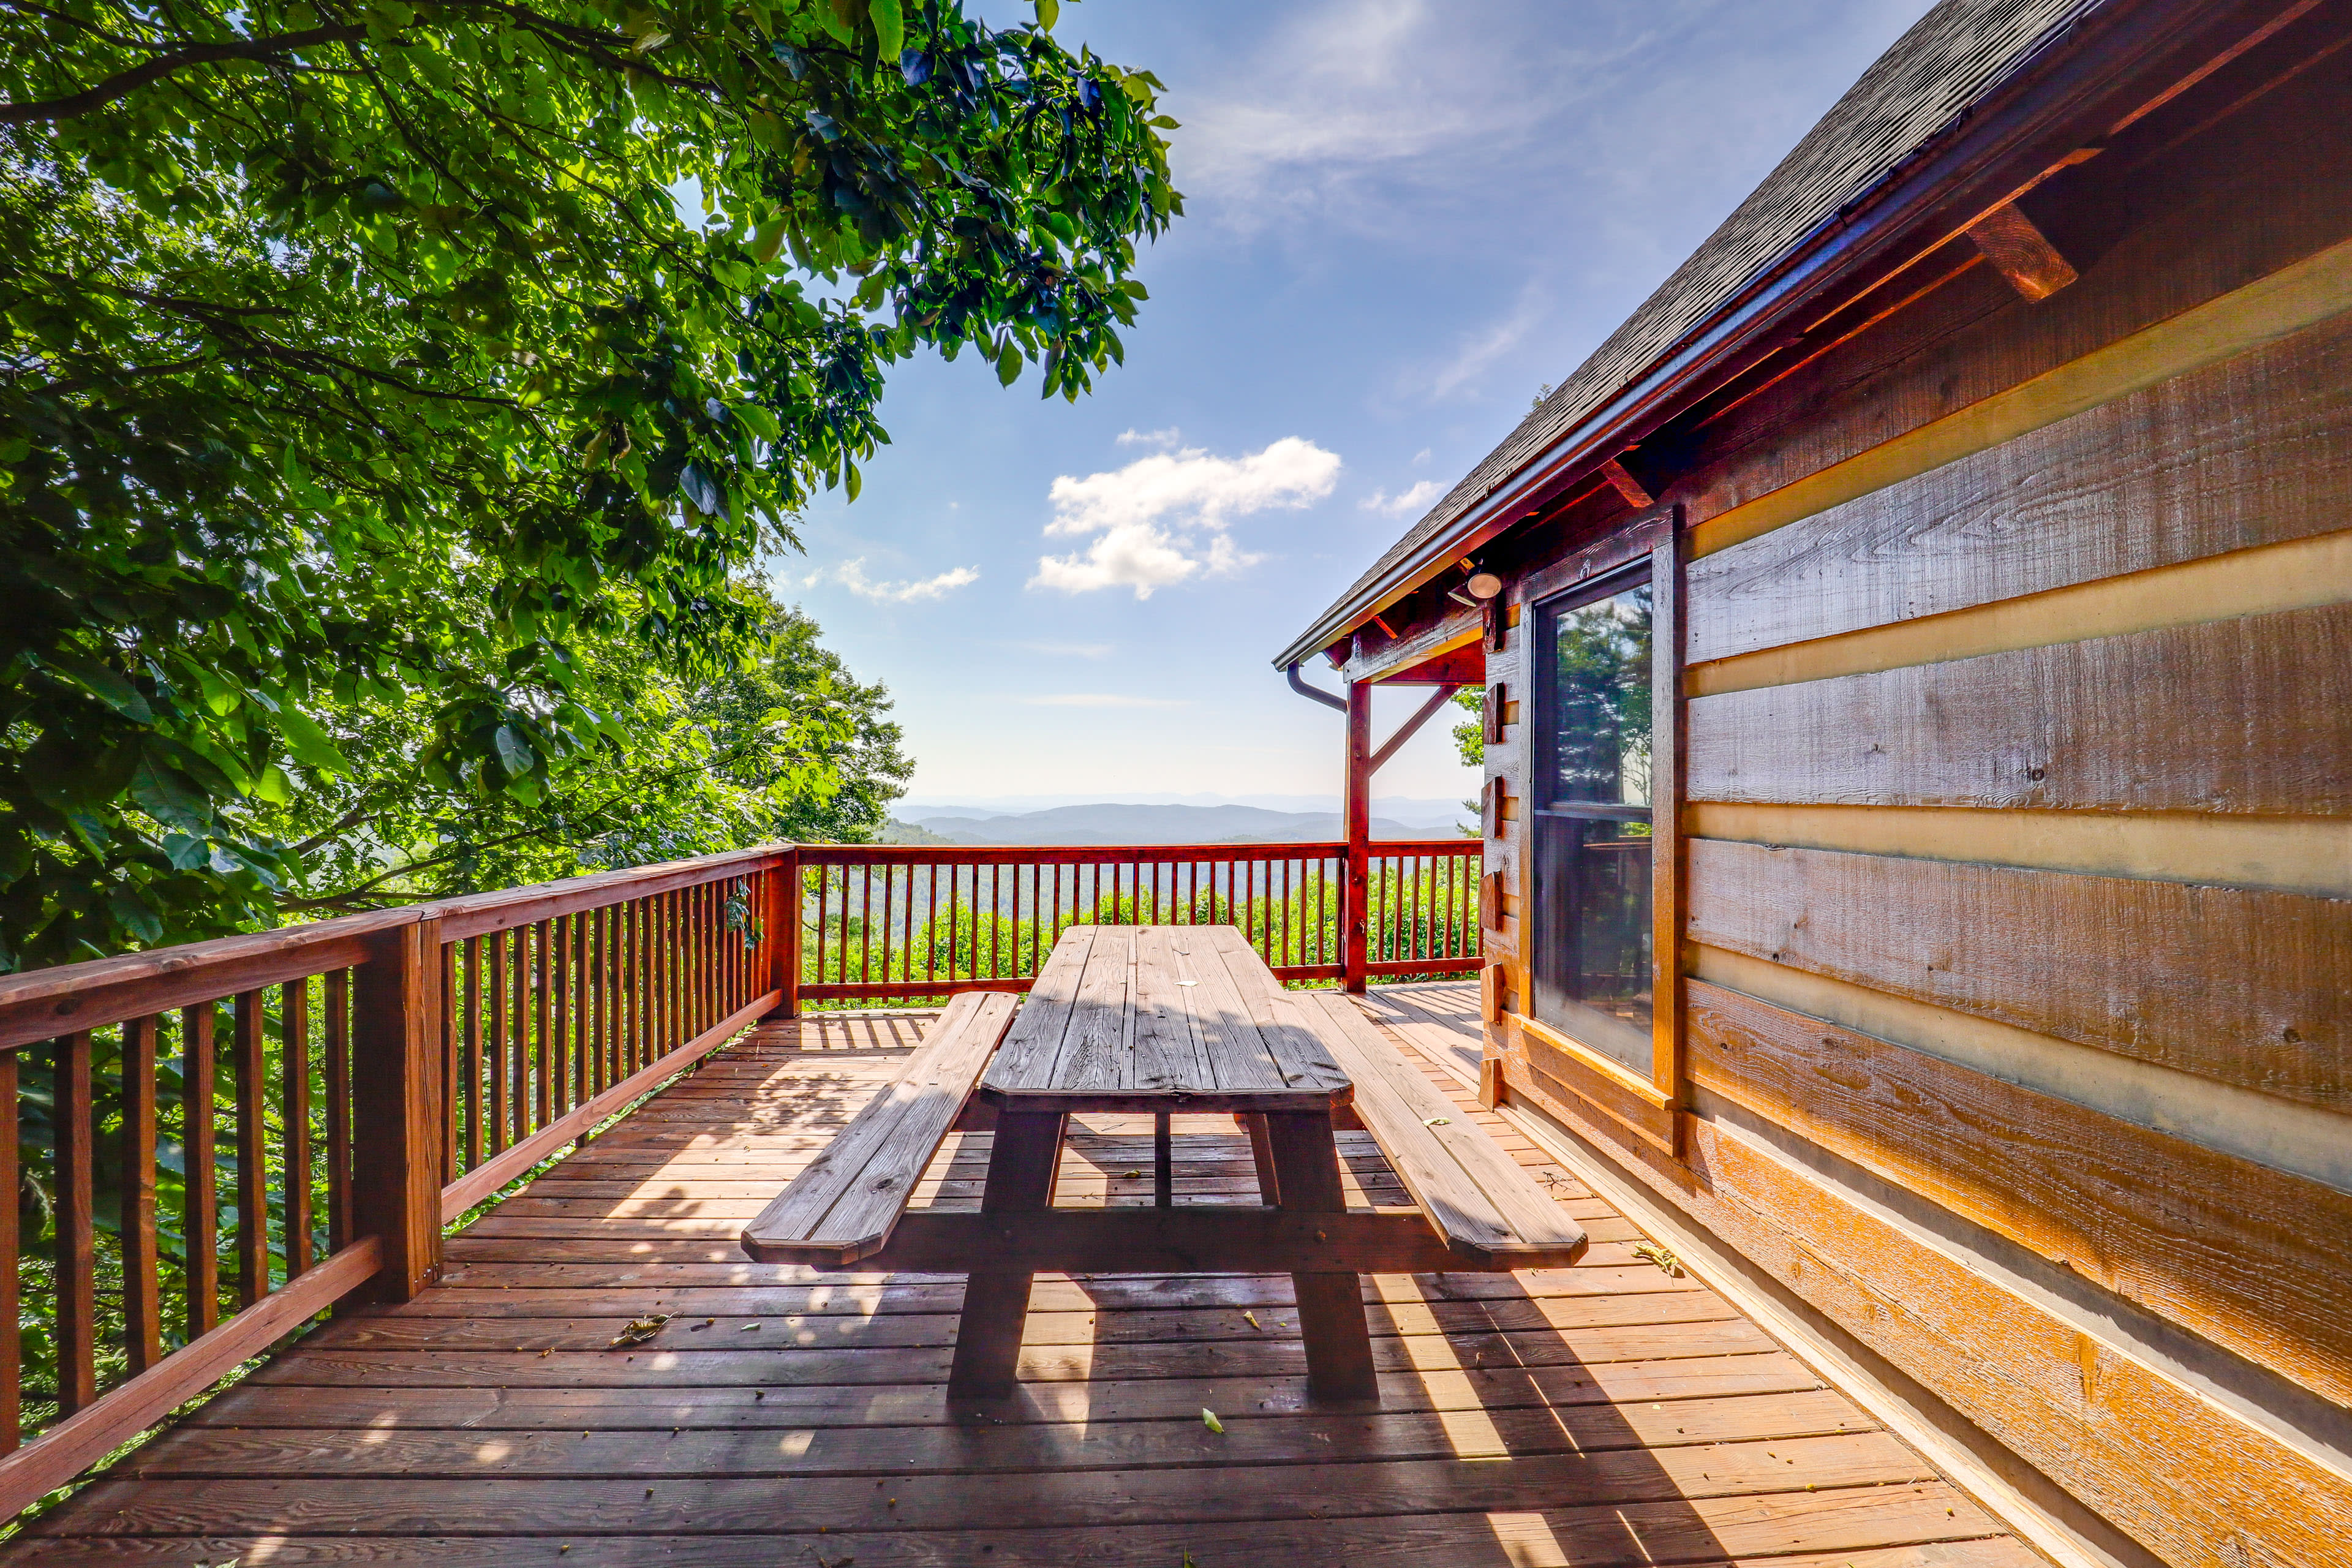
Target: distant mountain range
x,y
1111,824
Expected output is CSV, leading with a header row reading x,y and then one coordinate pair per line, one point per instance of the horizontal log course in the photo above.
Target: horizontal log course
x,y
2243,985
2249,716
2251,451
2220,1244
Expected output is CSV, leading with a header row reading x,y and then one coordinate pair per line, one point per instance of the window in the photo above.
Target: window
x,y
1590,961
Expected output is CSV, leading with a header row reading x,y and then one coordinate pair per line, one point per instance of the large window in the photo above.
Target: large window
x,y
1591,960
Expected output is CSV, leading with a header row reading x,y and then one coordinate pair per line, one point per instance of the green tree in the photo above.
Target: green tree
x,y
784,743
357,360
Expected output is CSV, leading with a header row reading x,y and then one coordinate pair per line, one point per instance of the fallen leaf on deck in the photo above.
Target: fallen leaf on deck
x,y
1124,1174
1209,1420
1439,1122
1651,1252
1252,1318
640,1330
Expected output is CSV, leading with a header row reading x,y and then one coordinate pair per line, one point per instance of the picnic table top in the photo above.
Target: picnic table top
x,y
1148,1018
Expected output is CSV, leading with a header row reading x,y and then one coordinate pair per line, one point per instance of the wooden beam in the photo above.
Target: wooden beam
x,y
1463,666
1622,481
2021,253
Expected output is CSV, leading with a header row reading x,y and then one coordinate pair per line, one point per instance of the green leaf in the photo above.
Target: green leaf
x,y
1048,13
109,686
514,752
308,743
889,26
768,239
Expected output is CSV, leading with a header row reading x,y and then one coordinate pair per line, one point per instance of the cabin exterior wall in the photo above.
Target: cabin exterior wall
x,y
2008,888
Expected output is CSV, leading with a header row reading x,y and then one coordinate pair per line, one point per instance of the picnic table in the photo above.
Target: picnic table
x,y
1161,1020
1164,1020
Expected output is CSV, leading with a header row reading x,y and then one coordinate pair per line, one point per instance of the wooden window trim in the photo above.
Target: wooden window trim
x,y
1646,1106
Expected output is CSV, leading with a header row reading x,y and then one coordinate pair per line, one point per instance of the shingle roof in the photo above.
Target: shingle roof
x,y
1950,61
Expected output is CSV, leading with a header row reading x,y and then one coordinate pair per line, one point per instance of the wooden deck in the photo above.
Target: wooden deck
x,y
1603,1414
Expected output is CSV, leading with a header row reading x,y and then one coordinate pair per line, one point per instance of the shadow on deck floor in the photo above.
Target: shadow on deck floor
x,y
1599,1414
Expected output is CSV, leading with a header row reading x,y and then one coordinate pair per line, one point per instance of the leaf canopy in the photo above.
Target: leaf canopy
x,y
356,358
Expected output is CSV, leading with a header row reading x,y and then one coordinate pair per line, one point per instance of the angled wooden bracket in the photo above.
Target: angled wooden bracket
x,y
1404,731
1626,485
2020,252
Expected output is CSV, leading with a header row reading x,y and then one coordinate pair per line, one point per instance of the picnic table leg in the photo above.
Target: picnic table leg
x,y
1163,1162
1020,1165
1330,1305
1269,1181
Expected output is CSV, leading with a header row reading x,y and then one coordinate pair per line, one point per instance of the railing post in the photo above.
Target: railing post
x,y
1356,819
783,919
396,1107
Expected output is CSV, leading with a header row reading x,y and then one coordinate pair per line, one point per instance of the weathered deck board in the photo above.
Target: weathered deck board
x,y
1600,1414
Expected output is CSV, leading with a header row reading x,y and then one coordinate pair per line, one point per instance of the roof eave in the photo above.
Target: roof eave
x,y
2003,133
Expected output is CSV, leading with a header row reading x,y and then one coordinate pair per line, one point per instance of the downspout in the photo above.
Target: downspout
x,y
1300,687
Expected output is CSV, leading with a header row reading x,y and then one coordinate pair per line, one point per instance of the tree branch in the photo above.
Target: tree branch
x,y
125,82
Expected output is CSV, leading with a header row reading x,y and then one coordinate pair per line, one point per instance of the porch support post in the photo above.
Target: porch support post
x,y
783,933
396,1116
1356,819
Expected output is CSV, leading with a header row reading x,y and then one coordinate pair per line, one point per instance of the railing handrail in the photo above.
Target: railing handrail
x,y
45,1002
1119,854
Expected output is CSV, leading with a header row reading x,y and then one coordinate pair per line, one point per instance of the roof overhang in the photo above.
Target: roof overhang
x,y
2099,71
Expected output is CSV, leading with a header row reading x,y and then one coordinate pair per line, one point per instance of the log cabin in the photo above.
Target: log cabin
x,y
1917,649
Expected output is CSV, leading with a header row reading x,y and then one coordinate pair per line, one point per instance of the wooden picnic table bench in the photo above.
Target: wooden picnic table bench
x,y
1164,1020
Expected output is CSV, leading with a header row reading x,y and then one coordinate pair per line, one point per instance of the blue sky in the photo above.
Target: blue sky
x,y
1403,218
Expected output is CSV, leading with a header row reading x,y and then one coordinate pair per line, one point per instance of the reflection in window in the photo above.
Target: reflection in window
x,y
1591,956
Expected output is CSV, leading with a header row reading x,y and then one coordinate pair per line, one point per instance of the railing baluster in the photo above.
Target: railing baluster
x,y
500,1066
142,1305
294,1084
520,1017
199,1210
561,1069
543,1096
252,1153
12,1369
336,1077
708,900
599,1030
445,1003
71,1111
469,1055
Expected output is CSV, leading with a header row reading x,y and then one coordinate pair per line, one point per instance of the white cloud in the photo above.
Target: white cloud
x,y
1404,503
1103,700
851,575
1163,519
1067,649
1165,437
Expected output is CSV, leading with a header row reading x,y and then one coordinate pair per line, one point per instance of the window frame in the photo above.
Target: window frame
x,y
1545,811
1645,1110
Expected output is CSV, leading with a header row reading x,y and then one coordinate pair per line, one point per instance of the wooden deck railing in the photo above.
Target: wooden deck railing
x,y
894,921
230,1137
309,1105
